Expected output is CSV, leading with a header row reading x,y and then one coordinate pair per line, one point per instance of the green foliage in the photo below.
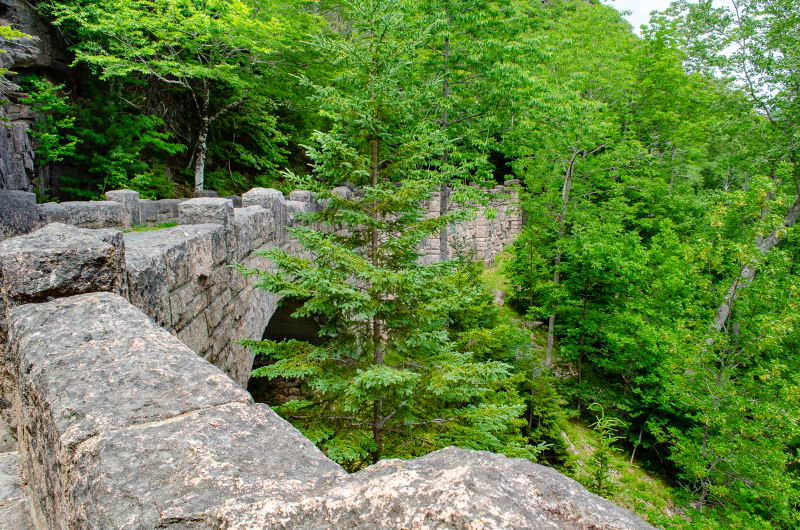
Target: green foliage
x,y
213,52
145,228
388,381
53,131
652,187
121,147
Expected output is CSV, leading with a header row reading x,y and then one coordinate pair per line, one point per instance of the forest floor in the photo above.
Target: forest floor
x,y
649,496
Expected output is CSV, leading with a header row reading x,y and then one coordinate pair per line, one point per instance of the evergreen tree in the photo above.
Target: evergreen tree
x,y
387,380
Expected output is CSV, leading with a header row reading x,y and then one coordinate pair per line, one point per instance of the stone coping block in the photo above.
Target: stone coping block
x,y
60,260
236,200
159,261
94,214
181,472
254,228
19,213
154,212
130,205
301,196
264,197
273,202
123,426
214,210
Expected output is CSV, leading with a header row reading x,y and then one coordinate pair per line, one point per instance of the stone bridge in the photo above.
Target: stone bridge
x,y
180,276
120,424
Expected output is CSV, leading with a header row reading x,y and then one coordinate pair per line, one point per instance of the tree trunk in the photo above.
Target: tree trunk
x,y
202,142
672,171
444,192
748,272
551,324
200,161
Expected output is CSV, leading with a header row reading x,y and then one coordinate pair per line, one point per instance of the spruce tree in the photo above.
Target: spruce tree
x,y
386,381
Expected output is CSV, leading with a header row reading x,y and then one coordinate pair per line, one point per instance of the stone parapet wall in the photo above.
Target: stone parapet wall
x,y
122,426
483,237
19,213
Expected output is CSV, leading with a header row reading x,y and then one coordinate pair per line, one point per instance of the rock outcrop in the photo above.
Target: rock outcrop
x,y
44,53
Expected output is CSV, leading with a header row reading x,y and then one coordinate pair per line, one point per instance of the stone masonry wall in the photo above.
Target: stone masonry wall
x,y
488,233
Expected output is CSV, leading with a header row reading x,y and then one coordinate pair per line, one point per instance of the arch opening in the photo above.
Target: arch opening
x,y
283,326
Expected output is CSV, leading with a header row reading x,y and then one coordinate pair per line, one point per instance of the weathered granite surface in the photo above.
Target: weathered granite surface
x,y
94,214
122,425
450,488
60,260
180,277
18,213
130,205
13,503
157,212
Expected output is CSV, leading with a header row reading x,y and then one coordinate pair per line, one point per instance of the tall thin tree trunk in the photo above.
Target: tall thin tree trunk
x,y
202,143
200,160
377,338
444,191
551,324
672,171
